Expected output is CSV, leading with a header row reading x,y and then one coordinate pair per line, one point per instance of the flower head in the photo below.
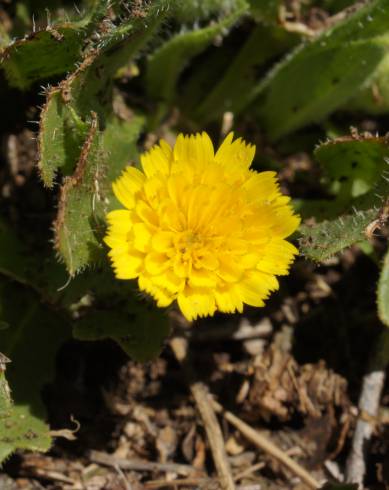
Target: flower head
x,y
200,227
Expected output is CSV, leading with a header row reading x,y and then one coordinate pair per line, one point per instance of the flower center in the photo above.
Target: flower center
x,y
188,243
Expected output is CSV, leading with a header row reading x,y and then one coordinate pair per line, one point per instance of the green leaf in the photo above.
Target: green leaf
x,y
31,341
18,428
87,195
80,205
320,76
47,53
38,270
90,87
353,164
265,10
119,141
68,106
237,88
166,64
66,121
323,240
42,55
61,135
374,97
190,11
383,292
361,159
140,331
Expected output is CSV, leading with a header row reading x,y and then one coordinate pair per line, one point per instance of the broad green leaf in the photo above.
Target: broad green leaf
x,y
190,11
237,86
31,341
353,164
191,93
374,98
42,55
140,331
37,270
166,64
19,429
320,76
50,52
265,10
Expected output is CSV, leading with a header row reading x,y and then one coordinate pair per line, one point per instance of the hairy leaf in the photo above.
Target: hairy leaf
x,y
87,195
265,10
61,135
166,64
238,85
49,52
79,206
89,88
190,11
361,160
320,76
19,429
353,164
320,241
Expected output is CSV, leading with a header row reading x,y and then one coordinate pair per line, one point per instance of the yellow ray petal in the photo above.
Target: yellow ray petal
x,y
162,241
194,150
228,300
142,237
255,287
160,294
156,263
235,153
156,161
277,257
196,303
127,266
169,281
127,185
202,278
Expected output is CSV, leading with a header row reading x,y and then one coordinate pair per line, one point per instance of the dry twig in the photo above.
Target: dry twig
x,y
190,482
249,471
125,464
369,399
372,386
266,445
211,425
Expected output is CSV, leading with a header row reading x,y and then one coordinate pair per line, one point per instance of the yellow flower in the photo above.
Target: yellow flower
x,y
200,227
